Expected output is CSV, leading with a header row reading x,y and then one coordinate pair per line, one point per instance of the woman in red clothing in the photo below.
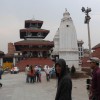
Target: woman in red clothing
x,y
32,74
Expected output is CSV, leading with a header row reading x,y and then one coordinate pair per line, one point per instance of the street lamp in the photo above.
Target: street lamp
x,y
86,21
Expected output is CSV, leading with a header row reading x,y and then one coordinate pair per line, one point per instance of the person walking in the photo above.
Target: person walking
x,y
35,76
39,68
95,82
37,73
47,71
31,74
64,84
27,73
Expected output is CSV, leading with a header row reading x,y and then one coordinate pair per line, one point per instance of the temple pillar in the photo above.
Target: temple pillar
x,y
40,54
14,61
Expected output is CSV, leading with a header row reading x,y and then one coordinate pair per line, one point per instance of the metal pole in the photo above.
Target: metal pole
x,y
89,40
87,20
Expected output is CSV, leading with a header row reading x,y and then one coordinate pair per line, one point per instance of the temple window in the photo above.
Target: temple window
x,y
40,46
30,46
28,34
67,25
39,34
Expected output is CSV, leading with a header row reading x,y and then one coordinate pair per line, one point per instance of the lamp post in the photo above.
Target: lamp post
x,y
86,21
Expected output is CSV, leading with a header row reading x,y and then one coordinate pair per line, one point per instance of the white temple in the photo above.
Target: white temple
x,y
65,41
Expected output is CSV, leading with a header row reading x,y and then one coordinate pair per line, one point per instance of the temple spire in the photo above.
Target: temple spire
x,y
65,41
65,9
33,18
66,13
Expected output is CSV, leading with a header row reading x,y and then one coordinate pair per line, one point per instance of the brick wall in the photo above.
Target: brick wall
x,y
11,48
96,53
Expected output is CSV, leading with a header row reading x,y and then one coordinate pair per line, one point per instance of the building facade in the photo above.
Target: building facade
x,y
34,45
80,49
95,53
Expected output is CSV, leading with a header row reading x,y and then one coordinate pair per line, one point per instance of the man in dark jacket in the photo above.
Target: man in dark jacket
x,y
95,83
64,87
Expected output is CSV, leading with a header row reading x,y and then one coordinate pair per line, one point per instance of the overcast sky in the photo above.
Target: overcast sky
x,y
13,13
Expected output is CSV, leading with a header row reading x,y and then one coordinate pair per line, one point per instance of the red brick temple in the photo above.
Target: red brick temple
x,y
33,50
33,45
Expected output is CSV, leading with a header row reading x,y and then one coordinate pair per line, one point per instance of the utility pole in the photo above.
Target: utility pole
x,y
86,21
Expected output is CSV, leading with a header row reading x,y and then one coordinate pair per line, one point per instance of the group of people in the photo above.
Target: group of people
x,y
33,74
64,83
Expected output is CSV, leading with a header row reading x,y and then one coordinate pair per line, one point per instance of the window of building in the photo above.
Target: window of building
x,y
39,34
67,25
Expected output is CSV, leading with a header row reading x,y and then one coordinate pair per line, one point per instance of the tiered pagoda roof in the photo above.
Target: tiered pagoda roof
x,y
33,30
1,54
34,42
27,23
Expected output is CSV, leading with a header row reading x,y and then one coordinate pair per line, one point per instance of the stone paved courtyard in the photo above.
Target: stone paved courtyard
x,y
15,88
